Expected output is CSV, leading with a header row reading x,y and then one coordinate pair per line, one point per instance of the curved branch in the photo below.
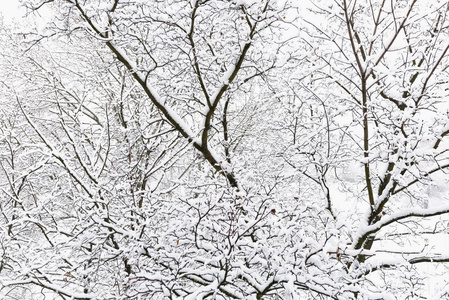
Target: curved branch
x,y
406,213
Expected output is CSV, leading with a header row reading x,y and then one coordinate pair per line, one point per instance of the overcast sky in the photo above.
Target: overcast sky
x,y
10,9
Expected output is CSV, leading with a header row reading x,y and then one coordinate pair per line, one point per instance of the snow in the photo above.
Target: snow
x,y
159,220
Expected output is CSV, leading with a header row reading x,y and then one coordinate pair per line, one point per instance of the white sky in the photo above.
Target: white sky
x,y
10,9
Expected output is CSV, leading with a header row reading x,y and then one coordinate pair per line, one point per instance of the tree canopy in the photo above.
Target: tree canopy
x,y
225,149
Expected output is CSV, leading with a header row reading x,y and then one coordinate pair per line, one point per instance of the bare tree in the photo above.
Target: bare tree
x,y
225,150
387,61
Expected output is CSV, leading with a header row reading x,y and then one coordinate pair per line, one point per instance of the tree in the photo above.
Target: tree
x,y
225,150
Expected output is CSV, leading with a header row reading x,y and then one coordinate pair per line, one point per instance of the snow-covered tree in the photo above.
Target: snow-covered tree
x,y
213,149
